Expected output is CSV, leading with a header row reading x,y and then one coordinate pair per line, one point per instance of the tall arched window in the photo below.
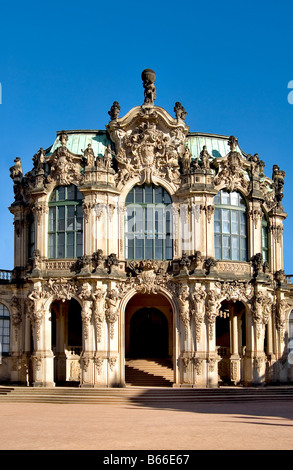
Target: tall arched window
x,y
264,240
4,330
148,225
230,226
65,223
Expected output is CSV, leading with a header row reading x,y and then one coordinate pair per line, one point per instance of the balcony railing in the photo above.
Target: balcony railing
x,y
5,275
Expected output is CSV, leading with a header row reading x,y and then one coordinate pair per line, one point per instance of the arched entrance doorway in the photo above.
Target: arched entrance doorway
x,y
149,340
148,333
66,341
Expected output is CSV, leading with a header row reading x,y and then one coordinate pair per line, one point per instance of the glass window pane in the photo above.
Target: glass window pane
x,y
52,219
138,195
149,222
71,193
235,248
70,218
159,221
217,199
60,245
167,198
139,220
130,197
138,248
79,217
148,249
226,221
168,219
158,249
129,248
61,193
226,247
79,244
234,198
61,218
158,194
52,245
148,195
70,245
235,222
225,198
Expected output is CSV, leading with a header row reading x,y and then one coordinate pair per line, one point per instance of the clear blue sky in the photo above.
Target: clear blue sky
x,y
62,64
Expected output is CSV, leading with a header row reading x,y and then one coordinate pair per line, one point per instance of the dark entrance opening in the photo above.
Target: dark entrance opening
x,y
148,333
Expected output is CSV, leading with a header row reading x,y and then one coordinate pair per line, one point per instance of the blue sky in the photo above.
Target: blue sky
x,y
62,64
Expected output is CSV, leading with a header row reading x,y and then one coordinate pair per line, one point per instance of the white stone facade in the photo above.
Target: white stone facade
x,y
227,318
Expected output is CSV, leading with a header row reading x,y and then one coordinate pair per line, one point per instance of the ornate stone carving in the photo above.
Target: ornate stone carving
x,y
236,291
16,172
16,317
148,77
62,289
212,310
179,111
149,276
232,170
89,156
86,297
198,296
65,167
256,262
99,311
281,314
209,263
98,361
186,160
153,154
39,210
148,142
112,362
261,310
278,183
112,301
114,111
205,158
198,362
184,306
277,231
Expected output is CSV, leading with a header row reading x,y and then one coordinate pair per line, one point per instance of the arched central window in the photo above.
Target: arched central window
x,y
65,223
230,226
148,225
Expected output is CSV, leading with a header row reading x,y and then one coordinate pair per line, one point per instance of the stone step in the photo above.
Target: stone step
x,y
149,372
142,395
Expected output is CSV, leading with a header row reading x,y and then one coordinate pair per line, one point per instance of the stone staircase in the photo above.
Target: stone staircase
x,y
159,397
149,372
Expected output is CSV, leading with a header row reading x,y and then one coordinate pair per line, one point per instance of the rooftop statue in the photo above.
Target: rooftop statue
x,y
148,77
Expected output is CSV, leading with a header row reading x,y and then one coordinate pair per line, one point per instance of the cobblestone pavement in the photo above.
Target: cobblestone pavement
x,y
227,426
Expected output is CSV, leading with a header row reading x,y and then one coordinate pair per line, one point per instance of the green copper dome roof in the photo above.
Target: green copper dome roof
x,y
78,140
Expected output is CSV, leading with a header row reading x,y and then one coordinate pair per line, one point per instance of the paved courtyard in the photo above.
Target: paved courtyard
x,y
227,426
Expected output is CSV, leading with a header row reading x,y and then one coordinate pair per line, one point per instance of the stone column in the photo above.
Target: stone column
x,y
112,318
16,339
234,352
101,337
213,303
88,353
42,358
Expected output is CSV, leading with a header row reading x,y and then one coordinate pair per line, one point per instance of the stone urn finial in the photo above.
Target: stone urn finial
x,y
148,78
